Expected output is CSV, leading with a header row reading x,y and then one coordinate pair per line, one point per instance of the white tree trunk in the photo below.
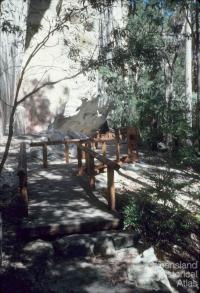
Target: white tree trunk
x,y
12,45
188,68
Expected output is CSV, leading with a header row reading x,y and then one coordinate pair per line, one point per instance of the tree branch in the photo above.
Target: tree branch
x,y
2,100
49,83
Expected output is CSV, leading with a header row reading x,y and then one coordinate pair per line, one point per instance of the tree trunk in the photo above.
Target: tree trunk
x,y
9,139
169,92
188,70
198,71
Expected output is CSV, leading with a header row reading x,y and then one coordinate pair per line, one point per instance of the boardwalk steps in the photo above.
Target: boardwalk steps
x,y
61,204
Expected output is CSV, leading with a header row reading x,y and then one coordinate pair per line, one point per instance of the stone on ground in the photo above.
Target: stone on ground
x,y
38,250
100,243
146,273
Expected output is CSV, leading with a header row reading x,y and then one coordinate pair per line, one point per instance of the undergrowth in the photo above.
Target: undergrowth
x,y
157,215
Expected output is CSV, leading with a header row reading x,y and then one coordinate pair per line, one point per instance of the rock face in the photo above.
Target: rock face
x,y
78,102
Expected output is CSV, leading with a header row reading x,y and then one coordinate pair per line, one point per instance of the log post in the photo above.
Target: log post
x,y
83,153
97,136
87,165
79,157
104,149
44,148
117,145
111,188
91,172
66,150
132,140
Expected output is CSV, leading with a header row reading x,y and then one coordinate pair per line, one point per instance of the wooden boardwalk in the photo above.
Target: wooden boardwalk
x,y
60,202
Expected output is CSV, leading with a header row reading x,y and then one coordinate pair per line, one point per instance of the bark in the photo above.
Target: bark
x,y
10,135
198,70
1,237
169,92
188,69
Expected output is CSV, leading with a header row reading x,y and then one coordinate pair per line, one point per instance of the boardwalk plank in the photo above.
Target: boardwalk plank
x,y
59,204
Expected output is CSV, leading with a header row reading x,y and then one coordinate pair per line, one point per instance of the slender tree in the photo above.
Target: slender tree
x,y
197,15
188,66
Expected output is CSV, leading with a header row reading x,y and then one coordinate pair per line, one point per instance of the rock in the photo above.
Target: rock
x,y
63,55
105,247
126,255
147,274
125,239
74,246
148,256
100,243
37,251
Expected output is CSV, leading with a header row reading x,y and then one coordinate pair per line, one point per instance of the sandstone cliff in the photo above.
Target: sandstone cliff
x,y
79,103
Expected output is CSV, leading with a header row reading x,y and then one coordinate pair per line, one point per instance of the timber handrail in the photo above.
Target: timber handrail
x,y
55,142
22,174
67,142
101,158
112,166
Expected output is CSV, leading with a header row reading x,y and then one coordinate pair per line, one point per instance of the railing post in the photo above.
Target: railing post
x,y
44,147
97,137
79,157
104,149
87,165
91,172
83,153
90,167
132,140
111,188
117,145
66,152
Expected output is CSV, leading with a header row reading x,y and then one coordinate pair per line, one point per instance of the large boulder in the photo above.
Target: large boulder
x,y
145,272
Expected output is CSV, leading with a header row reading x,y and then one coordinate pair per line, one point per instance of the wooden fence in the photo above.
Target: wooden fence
x,y
94,142
85,151
111,166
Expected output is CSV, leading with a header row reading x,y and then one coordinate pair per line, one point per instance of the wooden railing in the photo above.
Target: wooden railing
x,y
66,143
111,166
84,151
22,174
94,142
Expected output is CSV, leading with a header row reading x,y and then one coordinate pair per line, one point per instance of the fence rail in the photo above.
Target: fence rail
x,y
94,142
111,166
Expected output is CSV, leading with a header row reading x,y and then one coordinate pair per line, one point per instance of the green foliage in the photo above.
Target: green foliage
x,y
155,212
136,79
189,156
121,95
159,222
133,216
